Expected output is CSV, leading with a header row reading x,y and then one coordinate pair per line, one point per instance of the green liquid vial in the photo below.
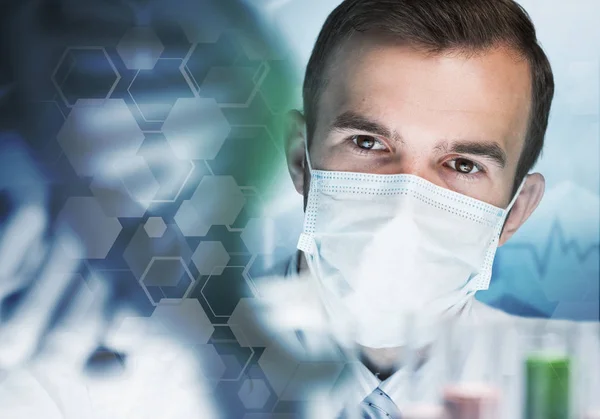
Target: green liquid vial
x,y
547,386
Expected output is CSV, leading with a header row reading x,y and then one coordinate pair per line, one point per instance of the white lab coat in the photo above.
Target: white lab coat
x,y
492,347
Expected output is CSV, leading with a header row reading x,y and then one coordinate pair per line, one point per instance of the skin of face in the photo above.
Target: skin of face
x,y
456,119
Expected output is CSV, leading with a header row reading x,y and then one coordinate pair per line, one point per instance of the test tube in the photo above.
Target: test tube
x,y
473,389
548,349
588,370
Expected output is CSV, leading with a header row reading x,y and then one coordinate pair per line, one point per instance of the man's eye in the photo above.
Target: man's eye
x,y
367,142
464,166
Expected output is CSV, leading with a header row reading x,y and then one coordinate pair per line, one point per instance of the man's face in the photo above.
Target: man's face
x,y
459,122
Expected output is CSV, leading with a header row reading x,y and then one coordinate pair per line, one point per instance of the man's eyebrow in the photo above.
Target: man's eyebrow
x,y
353,121
490,150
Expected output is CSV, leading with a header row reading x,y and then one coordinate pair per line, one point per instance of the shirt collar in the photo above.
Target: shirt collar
x,y
394,386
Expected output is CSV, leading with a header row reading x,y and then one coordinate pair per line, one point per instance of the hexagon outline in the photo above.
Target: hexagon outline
x,y
245,342
260,82
187,75
131,29
216,266
203,320
263,69
69,137
248,278
204,358
271,138
208,280
195,86
218,116
252,221
212,178
161,221
250,99
248,267
135,102
145,202
60,110
268,376
232,229
243,368
185,181
251,96
98,189
251,405
62,59
241,332
155,258
187,228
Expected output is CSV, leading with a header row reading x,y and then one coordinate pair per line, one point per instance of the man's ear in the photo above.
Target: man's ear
x,y
295,139
527,201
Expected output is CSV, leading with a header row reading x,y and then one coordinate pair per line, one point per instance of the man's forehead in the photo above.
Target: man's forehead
x,y
489,90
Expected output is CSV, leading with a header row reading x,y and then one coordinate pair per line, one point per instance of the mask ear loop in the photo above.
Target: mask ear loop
x,y
307,155
510,205
484,285
516,195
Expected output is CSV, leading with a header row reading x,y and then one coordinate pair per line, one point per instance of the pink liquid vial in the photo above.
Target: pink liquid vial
x,y
472,401
424,411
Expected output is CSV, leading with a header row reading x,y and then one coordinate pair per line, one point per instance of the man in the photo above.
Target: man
x,y
422,120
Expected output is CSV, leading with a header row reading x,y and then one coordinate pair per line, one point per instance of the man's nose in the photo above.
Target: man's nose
x,y
418,164
414,164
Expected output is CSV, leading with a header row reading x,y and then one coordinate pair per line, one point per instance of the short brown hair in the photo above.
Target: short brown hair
x,y
436,26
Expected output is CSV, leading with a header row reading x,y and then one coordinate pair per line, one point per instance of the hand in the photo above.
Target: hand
x,y
46,307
